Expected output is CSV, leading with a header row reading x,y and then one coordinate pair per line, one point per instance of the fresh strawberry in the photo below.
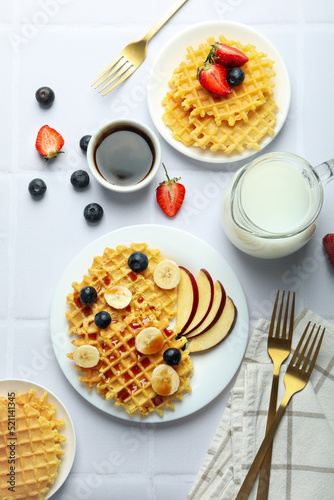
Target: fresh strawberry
x,y
49,142
170,195
213,78
230,57
328,243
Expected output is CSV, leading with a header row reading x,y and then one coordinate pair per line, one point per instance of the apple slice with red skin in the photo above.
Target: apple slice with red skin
x,y
206,292
187,300
218,332
218,304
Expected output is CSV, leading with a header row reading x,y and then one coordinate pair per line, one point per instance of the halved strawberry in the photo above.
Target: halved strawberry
x,y
328,242
49,142
213,78
228,56
170,195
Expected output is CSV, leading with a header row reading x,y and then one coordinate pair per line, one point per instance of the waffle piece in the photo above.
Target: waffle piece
x,y
205,133
243,99
123,374
33,442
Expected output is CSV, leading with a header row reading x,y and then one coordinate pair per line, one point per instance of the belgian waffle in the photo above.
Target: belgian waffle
x,y
244,98
123,374
36,446
205,133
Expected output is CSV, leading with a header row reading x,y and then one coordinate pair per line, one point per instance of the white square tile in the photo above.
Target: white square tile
x,y
6,353
51,12
317,92
8,96
166,487
252,12
92,486
7,12
5,256
322,12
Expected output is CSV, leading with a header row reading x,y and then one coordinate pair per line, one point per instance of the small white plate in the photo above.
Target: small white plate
x,y
175,51
213,370
23,386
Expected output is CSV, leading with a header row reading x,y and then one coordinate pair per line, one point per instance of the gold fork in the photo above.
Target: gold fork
x,y
296,377
279,346
132,55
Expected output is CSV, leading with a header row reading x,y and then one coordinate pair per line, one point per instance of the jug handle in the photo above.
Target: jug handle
x,y
325,171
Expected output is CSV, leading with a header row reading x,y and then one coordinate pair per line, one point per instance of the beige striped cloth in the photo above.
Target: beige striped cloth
x,y
303,449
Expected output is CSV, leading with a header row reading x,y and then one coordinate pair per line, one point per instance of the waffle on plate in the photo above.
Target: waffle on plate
x,y
33,443
123,374
228,123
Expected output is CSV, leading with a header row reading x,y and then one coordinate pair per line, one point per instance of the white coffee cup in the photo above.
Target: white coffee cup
x,y
116,150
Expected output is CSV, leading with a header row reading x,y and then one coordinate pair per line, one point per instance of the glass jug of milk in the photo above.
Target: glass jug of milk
x,y
271,206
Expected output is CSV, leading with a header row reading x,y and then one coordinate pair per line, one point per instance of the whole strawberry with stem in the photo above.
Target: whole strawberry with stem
x,y
328,243
49,142
170,195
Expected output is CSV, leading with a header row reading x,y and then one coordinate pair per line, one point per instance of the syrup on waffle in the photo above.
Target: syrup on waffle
x,y
244,98
37,445
123,374
205,133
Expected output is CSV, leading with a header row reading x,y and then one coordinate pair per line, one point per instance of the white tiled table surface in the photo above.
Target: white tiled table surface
x,y
65,44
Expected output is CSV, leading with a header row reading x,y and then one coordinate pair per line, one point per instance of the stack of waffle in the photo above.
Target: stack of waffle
x,y
123,374
228,123
30,447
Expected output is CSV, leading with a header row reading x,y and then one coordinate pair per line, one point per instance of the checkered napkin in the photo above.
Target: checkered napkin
x,y
303,449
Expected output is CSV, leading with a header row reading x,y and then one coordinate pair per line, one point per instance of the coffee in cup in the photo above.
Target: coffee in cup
x,y
124,155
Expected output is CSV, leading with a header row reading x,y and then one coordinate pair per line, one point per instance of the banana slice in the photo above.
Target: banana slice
x,y
149,340
165,380
118,296
86,356
167,274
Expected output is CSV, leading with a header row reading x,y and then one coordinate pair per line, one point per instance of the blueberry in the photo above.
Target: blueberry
x,y
93,212
45,96
80,179
102,319
138,261
37,188
235,76
172,356
84,142
88,295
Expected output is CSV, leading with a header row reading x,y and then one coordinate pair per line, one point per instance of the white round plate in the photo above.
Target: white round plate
x,y
213,370
23,386
175,51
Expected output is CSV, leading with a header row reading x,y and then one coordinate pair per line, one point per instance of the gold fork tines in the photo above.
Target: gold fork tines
x,y
131,56
296,377
279,347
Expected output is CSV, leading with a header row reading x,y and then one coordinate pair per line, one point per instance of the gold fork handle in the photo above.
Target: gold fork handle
x,y
170,12
254,468
263,487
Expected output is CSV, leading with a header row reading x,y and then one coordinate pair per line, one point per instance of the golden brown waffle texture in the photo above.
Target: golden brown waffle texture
x,y
123,374
30,446
227,123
